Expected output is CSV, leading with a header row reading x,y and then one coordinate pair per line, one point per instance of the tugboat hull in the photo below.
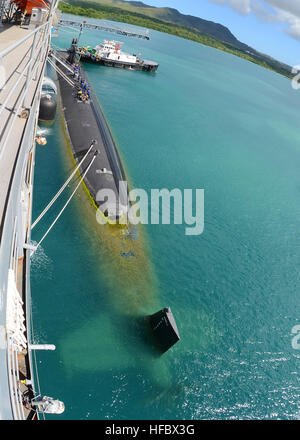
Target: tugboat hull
x,y
145,65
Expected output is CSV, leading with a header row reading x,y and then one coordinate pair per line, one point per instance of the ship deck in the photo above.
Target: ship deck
x,y
10,72
13,83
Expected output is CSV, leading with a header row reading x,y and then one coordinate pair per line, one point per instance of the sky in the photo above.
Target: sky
x,y
270,26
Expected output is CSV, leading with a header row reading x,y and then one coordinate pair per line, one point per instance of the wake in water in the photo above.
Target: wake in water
x,y
104,330
117,338
41,264
43,131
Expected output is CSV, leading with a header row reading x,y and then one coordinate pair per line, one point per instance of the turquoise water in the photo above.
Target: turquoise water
x,y
205,120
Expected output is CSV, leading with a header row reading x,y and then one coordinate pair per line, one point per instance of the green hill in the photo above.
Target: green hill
x,y
171,21
169,15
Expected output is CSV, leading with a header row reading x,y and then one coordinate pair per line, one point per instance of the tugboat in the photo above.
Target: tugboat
x,y
109,53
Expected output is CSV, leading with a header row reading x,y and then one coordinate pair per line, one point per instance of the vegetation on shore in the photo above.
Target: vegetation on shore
x,y
99,11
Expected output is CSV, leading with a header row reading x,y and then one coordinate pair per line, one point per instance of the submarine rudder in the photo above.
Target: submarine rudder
x,y
164,329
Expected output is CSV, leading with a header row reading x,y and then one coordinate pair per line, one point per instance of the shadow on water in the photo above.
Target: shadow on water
x,y
116,338
102,334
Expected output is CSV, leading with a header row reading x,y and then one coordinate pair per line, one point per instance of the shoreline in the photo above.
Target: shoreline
x,y
175,30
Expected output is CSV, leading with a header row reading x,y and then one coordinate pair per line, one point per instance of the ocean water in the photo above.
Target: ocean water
x,y
204,120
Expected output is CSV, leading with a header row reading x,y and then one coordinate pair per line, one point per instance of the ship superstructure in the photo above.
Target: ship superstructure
x,y
109,53
23,54
111,50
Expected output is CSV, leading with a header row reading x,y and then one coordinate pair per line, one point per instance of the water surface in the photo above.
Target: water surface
x,y
207,120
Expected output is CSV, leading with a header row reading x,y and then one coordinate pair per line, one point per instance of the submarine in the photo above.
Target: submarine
x,y
89,133
86,127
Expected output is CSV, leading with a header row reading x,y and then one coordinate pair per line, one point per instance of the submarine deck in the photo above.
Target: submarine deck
x,y
85,122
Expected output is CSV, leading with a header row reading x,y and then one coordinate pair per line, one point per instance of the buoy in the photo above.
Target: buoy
x,y
164,329
47,109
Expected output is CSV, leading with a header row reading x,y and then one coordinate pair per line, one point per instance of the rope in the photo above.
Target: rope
x,y
58,70
62,74
67,203
61,62
61,189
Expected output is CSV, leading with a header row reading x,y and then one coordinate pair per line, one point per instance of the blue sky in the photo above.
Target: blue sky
x,y
270,26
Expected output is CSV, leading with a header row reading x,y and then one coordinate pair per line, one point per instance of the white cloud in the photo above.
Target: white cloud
x,y
290,6
241,6
285,12
262,12
292,22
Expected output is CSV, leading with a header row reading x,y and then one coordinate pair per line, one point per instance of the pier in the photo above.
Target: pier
x,y
107,27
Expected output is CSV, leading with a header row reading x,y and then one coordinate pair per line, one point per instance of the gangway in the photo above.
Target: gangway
x,y
107,27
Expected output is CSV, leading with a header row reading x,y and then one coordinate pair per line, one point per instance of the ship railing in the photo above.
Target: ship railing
x,y
14,380
15,215
15,98
15,328
14,232
11,105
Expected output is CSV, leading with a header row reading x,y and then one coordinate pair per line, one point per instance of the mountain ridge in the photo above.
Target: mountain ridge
x,y
173,16
191,24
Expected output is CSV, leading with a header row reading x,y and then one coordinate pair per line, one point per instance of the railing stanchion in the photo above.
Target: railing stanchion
x,y
28,79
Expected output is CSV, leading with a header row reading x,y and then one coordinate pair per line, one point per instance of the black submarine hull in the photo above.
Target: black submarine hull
x,y
84,123
164,329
